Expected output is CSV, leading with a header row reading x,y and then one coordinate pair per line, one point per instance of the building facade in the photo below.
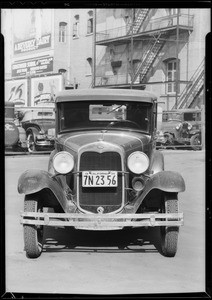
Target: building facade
x,y
160,50
46,50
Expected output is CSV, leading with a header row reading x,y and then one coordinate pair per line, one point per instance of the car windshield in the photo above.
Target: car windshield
x,y
84,115
192,116
171,116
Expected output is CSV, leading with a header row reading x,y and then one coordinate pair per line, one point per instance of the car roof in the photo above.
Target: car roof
x,y
105,94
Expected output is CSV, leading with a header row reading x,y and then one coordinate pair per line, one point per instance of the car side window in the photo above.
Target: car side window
x,y
189,116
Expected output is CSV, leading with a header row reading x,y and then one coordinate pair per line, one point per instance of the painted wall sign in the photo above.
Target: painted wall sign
x,y
35,66
31,29
32,44
16,91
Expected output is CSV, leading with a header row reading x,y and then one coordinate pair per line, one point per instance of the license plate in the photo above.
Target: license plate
x,y
99,179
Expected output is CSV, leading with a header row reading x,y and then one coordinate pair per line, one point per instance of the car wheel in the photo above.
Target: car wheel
x,y
195,142
31,143
33,235
169,234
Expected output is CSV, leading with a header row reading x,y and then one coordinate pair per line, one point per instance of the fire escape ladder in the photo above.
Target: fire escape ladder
x,y
148,58
140,16
190,93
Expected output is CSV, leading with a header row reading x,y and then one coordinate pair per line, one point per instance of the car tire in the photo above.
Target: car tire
x,y
33,235
169,234
31,142
195,142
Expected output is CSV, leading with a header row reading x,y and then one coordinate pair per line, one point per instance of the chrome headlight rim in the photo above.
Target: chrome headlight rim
x,y
63,162
138,162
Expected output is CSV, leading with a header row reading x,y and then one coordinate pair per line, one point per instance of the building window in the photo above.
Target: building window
x,y
62,32
89,66
115,66
90,22
76,26
171,67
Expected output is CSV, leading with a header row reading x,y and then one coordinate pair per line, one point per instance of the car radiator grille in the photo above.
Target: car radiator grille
x,y
110,198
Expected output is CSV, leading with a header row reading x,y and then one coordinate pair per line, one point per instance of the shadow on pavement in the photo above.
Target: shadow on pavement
x,y
126,240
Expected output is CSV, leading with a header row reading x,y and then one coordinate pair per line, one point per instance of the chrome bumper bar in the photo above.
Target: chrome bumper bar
x,y
101,222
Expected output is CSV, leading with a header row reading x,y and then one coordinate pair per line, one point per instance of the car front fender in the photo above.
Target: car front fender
x,y
33,181
33,130
157,162
166,181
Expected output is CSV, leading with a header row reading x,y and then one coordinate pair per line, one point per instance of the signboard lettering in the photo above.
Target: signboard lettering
x,y
33,67
32,44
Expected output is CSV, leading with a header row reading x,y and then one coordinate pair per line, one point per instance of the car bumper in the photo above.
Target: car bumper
x,y
45,143
102,222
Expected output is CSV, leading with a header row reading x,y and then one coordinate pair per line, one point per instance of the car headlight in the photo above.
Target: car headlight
x,y
138,162
63,162
51,132
189,126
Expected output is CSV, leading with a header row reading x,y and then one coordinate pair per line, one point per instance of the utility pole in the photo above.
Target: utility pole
x,y
132,26
94,51
177,62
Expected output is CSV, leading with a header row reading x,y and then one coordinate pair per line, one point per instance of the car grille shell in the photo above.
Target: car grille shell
x,y
108,198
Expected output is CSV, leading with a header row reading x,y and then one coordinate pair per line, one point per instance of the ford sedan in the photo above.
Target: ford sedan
x,y
105,172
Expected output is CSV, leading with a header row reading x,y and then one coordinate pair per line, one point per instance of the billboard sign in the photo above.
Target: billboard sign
x,y
31,67
16,91
44,89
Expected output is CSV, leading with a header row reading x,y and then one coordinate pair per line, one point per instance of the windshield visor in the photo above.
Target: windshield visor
x,y
84,115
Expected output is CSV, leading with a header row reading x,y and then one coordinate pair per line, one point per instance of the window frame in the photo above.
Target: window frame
x,y
89,66
62,32
90,23
75,33
171,75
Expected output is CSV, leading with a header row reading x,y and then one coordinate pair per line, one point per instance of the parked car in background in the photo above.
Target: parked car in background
x,y
105,172
39,125
14,133
181,127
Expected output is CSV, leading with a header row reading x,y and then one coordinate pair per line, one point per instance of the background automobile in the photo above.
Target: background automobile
x,y
105,172
181,127
15,135
39,125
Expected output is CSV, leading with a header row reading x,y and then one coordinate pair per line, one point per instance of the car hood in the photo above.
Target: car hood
x,y
171,125
126,140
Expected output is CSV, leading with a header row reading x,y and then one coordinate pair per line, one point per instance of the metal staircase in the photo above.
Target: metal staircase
x,y
192,91
149,57
140,16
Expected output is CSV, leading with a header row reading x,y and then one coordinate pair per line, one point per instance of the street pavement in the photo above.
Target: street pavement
x,y
115,262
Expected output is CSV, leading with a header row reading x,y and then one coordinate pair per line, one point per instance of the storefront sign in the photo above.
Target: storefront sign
x,y
35,66
32,44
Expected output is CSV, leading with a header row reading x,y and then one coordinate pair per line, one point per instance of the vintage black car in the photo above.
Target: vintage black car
x,y
14,133
105,172
39,125
181,127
